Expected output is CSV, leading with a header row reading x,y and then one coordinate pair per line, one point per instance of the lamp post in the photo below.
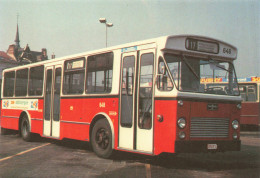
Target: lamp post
x,y
103,20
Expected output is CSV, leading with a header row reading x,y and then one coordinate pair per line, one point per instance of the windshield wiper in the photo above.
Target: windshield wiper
x,y
191,68
218,66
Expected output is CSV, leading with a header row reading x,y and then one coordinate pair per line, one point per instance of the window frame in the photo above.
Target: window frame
x,y
158,81
15,88
4,84
79,70
87,74
43,81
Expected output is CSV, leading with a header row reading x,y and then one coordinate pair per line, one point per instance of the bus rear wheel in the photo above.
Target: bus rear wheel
x,y
25,129
101,139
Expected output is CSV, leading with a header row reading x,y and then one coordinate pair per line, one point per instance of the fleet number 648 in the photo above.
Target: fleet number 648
x,y
227,50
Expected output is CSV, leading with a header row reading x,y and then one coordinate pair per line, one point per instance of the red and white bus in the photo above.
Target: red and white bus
x,y
143,97
250,91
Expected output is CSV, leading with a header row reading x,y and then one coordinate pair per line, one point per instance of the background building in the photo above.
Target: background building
x,y
15,55
25,55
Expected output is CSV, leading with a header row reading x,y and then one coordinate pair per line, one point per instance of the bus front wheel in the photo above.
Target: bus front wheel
x,y
25,129
101,139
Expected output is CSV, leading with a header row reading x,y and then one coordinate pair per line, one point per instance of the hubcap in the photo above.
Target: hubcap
x,y
102,138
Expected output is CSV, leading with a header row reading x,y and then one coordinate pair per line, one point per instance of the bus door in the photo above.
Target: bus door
x,y
51,127
136,101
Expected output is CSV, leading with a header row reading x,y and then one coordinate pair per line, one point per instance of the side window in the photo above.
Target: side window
x,y
74,76
164,82
242,89
99,73
9,83
251,93
248,92
173,63
36,81
21,82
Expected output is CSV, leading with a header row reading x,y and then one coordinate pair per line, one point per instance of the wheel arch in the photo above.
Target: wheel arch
x,y
103,116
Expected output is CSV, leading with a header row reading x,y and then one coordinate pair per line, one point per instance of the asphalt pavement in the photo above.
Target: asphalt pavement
x,y
70,158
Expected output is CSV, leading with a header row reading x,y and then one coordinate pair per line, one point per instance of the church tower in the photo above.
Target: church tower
x,y
17,40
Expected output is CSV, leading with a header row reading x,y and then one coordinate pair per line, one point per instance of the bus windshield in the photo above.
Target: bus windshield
x,y
191,73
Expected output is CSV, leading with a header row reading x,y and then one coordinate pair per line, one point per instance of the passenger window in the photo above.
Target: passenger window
x,y
99,73
21,82
73,81
9,83
36,81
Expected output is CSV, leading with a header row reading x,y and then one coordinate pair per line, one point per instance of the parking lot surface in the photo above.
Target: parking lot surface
x,y
69,158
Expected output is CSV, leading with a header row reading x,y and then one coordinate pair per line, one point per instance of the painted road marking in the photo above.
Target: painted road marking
x,y
23,152
148,170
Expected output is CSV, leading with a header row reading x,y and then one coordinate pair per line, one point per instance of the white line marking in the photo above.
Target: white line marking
x,y
23,152
148,170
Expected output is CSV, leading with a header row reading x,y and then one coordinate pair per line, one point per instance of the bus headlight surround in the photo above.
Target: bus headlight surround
x,y
235,124
182,135
181,123
239,106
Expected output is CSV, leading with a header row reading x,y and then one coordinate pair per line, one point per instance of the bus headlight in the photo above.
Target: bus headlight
x,y
182,135
239,106
235,124
235,136
181,123
180,103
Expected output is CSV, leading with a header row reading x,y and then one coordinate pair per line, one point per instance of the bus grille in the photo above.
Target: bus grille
x,y
209,127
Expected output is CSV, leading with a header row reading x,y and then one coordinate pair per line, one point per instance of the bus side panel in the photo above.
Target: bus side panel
x,y
10,123
37,118
77,114
10,118
165,131
250,114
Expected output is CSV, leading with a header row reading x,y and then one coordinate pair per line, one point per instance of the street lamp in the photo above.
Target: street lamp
x,y
103,20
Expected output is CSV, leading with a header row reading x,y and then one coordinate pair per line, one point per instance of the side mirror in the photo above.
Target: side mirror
x,y
162,69
161,81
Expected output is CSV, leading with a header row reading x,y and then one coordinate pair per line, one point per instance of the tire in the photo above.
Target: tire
x,y
101,139
25,129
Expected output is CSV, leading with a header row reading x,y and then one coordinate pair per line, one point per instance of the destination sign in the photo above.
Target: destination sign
x,y
129,49
202,46
76,64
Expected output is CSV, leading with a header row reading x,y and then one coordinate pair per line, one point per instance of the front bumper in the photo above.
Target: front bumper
x,y
206,146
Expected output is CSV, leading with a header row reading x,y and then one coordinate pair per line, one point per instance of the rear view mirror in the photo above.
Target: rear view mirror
x,y
162,69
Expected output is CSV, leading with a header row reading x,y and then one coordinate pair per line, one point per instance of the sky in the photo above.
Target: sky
x,y
69,27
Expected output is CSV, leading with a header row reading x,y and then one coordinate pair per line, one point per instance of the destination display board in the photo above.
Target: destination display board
x,y
201,46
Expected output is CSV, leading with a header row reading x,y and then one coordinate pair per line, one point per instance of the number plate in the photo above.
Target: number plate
x,y
212,146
